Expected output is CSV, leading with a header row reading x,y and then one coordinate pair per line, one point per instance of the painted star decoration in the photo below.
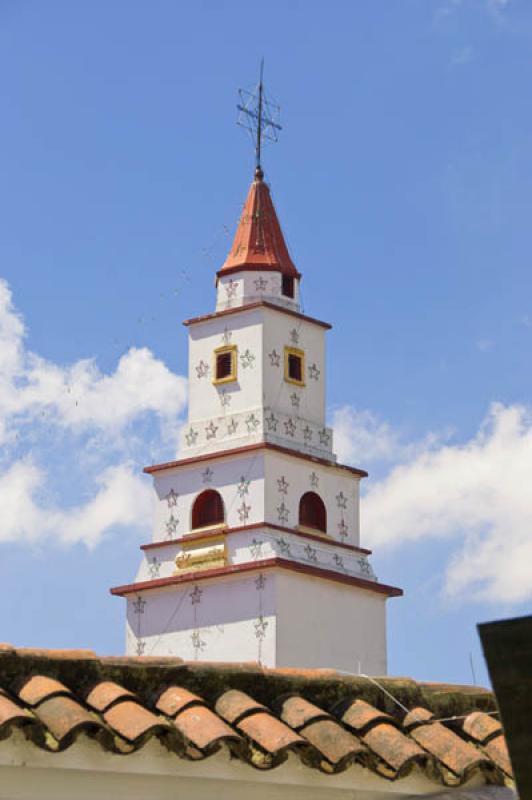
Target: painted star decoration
x,y
252,423
260,284
202,369
256,548
247,358
207,475
225,398
195,595
325,436
307,433
230,289
275,358
260,582
139,605
341,500
342,529
272,422
191,437
339,561
289,427
284,547
365,568
282,485
295,400
210,430
197,642
226,336
282,512
311,553
232,426
313,372
294,336
314,480
243,487
141,646
154,567
171,526
243,512
260,627
171,498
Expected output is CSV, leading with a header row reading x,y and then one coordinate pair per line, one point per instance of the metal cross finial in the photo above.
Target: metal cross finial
x,y
259,116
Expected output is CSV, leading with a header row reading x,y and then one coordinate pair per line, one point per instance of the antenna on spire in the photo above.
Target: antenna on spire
x,y
259,116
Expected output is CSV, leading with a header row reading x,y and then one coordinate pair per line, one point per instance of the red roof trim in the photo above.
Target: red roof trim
x,y
191,537
250,307
254,268
253,566
248,448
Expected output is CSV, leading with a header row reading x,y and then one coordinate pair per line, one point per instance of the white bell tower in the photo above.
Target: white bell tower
x,y
255,554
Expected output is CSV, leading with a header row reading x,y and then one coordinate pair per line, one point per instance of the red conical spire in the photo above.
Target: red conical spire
x,y
259,242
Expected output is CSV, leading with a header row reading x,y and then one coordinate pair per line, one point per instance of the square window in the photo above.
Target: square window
x,y
294,366
288,286
225,364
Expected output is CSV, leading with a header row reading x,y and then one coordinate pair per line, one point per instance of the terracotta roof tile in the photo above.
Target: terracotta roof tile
x,y
481,727
329,720
453,752
233,704
39,687
63,717
175,699
132,720
105,693
203,727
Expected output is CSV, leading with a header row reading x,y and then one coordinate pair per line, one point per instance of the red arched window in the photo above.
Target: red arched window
x,y
208,509
312,513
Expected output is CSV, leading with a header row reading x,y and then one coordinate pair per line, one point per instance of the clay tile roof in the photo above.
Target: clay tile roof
x,y
328,720
259,243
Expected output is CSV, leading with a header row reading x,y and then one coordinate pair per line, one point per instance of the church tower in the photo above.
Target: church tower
x,y
255,554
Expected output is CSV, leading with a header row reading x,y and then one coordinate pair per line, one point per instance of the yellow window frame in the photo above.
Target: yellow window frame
x,y
226,348
294,351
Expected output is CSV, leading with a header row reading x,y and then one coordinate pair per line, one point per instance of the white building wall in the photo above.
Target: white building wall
x,y
326,624
250,286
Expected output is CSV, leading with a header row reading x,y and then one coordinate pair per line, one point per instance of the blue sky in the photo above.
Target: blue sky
x,y
403,181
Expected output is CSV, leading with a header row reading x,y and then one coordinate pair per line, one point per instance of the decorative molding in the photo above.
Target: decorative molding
x,y
252,307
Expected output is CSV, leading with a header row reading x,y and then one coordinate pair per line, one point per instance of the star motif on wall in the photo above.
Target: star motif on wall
x,y
311,553
282,485
225,398
260,582
230,289
243,487
260,627
282,512
342,528
252,423
139,605
365,568
171,526
341,500
211,429
325,436
294,336
256,548
226,336
313,372
289,427
197,642
206,475
284,547
202,369
154,567
141,646
295,399
275,358
191,437
195,595
307,433
314,480
232,426
171,498
339,561
272,422
243,512
260,284
247,358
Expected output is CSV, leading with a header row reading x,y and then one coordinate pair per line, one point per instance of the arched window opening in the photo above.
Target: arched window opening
x,y
208,509
312,513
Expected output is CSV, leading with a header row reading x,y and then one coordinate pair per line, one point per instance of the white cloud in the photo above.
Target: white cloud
x,y
98,416
477,495
361,436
